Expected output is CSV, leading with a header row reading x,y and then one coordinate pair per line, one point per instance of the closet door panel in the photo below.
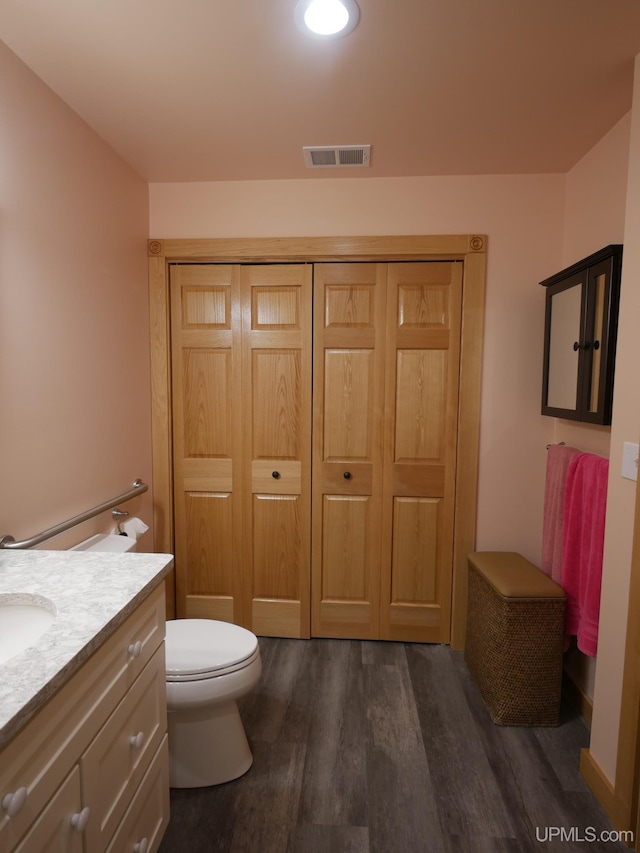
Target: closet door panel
x,y
209,556
278,555
346,592
347,472
205,380
276,394
421,392
349,393
423,342
416,546
206,426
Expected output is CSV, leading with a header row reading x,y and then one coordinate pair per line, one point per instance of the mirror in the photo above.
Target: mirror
x,y
563,353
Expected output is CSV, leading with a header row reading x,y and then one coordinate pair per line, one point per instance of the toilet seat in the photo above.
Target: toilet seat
x,y
200,649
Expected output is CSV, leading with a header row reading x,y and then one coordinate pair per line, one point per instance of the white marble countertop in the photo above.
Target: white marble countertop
x,y
93,593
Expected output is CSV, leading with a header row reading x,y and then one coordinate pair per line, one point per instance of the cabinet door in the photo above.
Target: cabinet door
x,y
118,757
421,416
207,430
349,327
147,817
276,456
53,831
598,351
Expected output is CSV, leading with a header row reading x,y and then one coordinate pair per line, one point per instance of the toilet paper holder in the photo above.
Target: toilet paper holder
x,y
119,514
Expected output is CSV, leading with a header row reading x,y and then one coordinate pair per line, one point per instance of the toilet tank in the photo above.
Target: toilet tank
x,y
111,542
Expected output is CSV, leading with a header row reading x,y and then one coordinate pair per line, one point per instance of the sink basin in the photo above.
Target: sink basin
x,y
24,618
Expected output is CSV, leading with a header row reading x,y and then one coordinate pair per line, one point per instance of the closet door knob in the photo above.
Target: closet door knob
x,y
80,820
141,846
276,475
347,475
12,803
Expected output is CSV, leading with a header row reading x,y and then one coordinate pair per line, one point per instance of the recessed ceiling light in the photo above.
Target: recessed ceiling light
x,y
327,18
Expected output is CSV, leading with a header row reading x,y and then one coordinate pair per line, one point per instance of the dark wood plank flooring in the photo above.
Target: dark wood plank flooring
x,y
387,748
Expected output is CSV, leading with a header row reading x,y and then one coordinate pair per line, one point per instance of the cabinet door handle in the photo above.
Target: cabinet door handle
x,y
141,846
347,475
576,346
276,475
80,820
137,741
596,345
134,649
13,803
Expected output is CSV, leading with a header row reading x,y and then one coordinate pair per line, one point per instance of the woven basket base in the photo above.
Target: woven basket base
x,y
514,654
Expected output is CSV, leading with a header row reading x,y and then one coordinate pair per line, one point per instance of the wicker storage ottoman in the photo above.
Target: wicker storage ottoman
x,y
515,638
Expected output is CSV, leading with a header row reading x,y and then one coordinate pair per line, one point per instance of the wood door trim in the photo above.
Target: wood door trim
x,y
319,249
623,809
469,248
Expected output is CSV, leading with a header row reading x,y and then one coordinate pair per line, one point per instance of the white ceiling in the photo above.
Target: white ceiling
x,y
206,90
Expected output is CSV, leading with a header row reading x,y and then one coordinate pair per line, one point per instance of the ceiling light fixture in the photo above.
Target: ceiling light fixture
x,y
327,18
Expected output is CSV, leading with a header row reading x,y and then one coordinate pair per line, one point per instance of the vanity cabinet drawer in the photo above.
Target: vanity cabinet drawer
x,y
115,763
148,815
54,832
39,758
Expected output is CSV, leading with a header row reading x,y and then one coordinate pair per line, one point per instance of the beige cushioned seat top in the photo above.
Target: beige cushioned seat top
x,y
512,576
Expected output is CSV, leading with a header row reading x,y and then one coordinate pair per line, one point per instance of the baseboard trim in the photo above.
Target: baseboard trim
x,y
604,791
578,698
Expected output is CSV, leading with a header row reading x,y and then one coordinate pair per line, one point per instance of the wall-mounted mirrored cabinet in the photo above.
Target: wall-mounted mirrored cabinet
x,y
581,324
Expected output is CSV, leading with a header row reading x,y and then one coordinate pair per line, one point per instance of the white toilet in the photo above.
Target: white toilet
x,y
209,666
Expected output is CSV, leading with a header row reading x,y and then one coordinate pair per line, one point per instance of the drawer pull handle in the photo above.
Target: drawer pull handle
x,y
12,803
137,741
80,820
347,475
134,649
141,846
276,475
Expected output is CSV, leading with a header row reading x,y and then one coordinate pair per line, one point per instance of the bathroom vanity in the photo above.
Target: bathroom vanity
x,y
83,745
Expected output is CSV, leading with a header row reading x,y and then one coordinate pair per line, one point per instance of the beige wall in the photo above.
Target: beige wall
x,y
74,365
594,217
621,492
596,195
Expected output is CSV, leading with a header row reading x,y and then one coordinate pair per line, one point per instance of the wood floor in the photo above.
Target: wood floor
x,y
387,747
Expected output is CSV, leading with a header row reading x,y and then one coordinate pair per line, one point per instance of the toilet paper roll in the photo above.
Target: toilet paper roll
x,y
134,527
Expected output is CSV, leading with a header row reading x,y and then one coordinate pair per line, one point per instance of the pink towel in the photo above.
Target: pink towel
x,y
584,515
559,458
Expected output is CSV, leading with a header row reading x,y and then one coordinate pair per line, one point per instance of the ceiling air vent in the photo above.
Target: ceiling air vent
x,y
324,156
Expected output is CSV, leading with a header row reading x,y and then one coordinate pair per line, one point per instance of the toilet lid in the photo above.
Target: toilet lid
x,y
204,648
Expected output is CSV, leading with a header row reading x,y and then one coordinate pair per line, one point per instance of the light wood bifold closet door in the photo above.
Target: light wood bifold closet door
x,y
386,368
241,382
367,551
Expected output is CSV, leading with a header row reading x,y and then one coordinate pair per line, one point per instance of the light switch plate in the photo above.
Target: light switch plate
x,y
630,461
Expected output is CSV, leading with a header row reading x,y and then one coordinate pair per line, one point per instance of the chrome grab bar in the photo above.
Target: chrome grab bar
x,y
9,542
